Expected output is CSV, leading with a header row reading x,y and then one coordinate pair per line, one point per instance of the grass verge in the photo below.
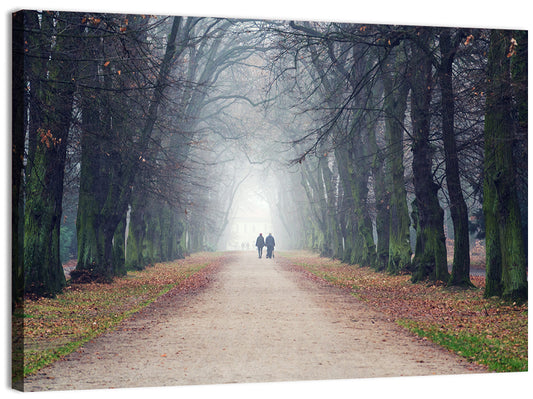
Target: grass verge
x,y
492,352
47,328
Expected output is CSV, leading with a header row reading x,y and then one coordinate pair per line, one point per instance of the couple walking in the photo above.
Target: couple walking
x,y
269,242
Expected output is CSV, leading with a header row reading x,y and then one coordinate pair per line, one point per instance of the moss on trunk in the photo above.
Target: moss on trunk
x,y
429,261
399,256
44,181
460,275
43,271
506,261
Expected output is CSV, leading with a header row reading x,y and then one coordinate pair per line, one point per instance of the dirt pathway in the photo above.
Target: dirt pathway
x,y
255,322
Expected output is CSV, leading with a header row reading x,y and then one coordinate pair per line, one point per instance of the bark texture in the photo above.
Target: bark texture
x,y
506,262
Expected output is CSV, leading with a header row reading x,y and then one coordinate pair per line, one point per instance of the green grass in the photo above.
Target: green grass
x,y
488,351
46,329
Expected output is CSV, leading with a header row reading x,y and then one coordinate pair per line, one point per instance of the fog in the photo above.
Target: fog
x,y
205,132
250,215
248,149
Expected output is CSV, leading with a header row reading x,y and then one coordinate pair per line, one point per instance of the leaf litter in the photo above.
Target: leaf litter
x,y
48,328
497,328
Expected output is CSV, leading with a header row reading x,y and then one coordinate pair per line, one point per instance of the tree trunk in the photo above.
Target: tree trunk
x,y
395,104
100,207
39,32
429,261
311,181
43,271
108,171
169,236
348,205
519,76
377,158
136,231
506,263
359,172
332,225
119,248
17,156
382,195
461,256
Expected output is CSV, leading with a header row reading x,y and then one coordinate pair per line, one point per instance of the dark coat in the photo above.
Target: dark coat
x,y
270,241
260,242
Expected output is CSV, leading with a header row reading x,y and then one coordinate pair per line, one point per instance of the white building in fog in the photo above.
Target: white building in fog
x,y
248,221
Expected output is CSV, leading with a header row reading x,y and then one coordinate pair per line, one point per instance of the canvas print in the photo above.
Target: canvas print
x,y
208,200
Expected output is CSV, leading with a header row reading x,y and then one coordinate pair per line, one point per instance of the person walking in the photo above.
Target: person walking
x,y
260,243
270,243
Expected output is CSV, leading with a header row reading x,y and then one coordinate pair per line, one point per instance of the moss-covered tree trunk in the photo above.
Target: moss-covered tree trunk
x,y
348,205
19,107
364,247
95,232
313,184
180,245
332,233
505,261
172,231
167,233
102,203
136,231
460,275
519,76
322,208
196,242
108,169
354,165
429,261
154,234
119,248
382,195
44,184
395,105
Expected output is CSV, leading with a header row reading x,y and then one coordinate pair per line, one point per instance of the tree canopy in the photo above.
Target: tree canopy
x,y
374,144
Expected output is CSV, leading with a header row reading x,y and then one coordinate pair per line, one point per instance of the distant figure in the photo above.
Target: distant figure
x,y
270,243
260,243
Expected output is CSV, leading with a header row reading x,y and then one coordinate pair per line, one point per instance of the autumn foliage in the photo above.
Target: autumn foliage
x,y
47,328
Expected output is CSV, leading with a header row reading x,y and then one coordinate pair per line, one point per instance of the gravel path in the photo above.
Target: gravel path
x,y
254,322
